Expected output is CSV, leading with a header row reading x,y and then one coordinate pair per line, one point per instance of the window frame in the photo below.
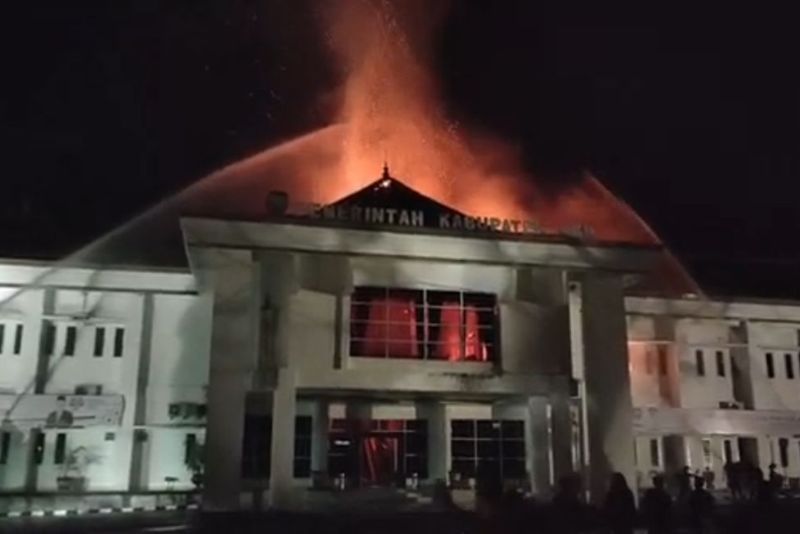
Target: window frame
x,y
5,447
769,361
18,331
700,362
428,305
119,342
480,442
60,450
788,360
70,340
707,447
99,342
719,356
727,450
655,455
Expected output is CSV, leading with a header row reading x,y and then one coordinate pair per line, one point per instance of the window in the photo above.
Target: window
x,y
707,458
770,365
302,446
38,448
61,448
489,447
109,436
789,360
662,360
189,448
655,452
360,452
5,447
69,343
256,446
700,362
727,450
783,451
720,363
119,341
421,324
99,341
49,338
18,339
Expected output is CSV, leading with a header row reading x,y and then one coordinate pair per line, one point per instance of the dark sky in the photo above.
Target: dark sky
x,y
691,115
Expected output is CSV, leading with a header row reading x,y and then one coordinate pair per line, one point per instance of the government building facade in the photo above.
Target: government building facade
x,y
348,349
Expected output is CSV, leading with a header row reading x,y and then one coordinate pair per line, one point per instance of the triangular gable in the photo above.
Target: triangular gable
x,y
388,201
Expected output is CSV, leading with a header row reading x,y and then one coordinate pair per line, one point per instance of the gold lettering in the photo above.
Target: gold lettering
x,y
377,215
495,223
418,218
444,220
390,213
404,219
506,226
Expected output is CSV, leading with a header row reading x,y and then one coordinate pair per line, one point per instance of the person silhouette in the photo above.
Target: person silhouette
x,y
568,514
701,507
60,417
619,508
657,508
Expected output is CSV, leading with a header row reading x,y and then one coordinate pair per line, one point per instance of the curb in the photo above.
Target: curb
x,y
16,514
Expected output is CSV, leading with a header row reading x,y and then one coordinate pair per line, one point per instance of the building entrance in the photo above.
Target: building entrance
x,y
379,460
377,452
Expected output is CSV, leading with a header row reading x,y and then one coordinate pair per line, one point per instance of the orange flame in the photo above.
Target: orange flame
x,y
391,111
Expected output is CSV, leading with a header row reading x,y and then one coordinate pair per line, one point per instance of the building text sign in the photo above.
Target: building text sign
x,y
446,221
23,412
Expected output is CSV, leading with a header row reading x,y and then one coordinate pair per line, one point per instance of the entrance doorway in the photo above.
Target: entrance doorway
x,y
379,460
377,452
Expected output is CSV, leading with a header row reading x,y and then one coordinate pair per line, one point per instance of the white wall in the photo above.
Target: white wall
x,y
709,337
166,458
779,392
179,354
110,465
12,473
20,307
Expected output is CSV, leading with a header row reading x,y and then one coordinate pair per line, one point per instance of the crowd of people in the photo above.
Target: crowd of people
x,y
681,502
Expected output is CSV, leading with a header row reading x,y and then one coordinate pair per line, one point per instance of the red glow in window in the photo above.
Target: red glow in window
x,y
392,327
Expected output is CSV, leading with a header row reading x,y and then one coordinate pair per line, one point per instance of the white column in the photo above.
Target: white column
x,y
284,408
319,437
539,445
231,279
605,385
438,441
561,432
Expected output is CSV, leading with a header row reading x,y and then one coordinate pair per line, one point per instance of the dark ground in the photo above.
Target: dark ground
x,y
784,517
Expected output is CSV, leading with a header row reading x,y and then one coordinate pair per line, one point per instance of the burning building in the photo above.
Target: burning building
x,y
335,327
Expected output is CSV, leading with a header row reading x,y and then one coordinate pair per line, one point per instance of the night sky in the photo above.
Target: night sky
x,y
691,116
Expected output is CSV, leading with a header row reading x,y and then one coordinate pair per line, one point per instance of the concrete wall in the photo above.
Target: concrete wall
x,y
709,337
20,307
87,300
779,392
